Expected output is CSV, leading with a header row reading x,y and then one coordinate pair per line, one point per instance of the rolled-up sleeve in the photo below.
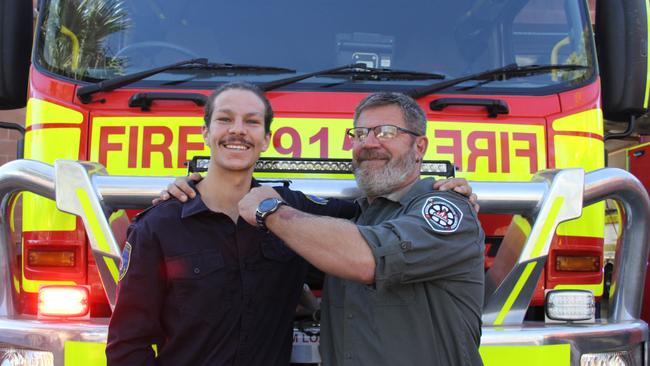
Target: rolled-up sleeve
x,y
417,246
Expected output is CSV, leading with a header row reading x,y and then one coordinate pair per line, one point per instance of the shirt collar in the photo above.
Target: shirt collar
x,y
196,205
419,187
403,195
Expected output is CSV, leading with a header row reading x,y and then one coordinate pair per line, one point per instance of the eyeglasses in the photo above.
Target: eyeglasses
x,y
382,132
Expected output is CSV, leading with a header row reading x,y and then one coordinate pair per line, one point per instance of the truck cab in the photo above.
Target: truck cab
x,y
510,88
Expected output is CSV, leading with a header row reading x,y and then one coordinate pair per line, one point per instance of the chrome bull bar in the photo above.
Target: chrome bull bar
x,y
552,197
84,189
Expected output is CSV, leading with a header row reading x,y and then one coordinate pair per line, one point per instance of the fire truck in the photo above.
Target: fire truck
x,y
516,94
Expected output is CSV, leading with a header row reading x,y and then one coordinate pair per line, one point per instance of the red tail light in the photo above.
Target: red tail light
x,y
63,301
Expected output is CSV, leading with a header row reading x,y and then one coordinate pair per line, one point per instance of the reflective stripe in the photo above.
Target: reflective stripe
x,y
97,231
88,353
548,226
41,214
12,212
556,355
595,288
42,112
591,224
33,285
16,284
119,214
586,152
515,293
147,146
590,121
84,354
47,145
545,232
522,224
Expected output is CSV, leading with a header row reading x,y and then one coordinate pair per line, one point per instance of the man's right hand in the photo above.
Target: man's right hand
x,y
179,189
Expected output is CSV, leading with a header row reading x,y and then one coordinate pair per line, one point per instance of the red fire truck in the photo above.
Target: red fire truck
x,y
510,87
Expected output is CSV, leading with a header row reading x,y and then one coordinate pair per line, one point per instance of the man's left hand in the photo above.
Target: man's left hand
x,y
248,204
459,185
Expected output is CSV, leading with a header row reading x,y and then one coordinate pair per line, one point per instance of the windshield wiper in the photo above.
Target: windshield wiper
x,y
371,73
238,68
286,81
85,92
359,70
501,73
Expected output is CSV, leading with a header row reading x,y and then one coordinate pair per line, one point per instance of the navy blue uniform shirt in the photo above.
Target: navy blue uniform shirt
x,y
206,290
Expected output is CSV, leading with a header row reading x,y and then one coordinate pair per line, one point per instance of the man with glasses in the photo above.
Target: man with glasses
x,y
405,284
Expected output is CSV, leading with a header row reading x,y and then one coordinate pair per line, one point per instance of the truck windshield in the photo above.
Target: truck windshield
x,y
93,40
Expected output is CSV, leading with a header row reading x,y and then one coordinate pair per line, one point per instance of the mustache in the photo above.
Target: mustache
x,y
236,140
373,155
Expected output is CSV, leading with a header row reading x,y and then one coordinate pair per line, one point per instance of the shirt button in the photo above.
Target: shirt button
x,y
348,355
197,270
349,316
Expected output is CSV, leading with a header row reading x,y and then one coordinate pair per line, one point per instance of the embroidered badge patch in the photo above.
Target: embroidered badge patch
x,y
317,200
442,215
126,258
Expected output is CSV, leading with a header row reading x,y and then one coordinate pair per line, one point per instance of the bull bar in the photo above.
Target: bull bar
x,y
86,190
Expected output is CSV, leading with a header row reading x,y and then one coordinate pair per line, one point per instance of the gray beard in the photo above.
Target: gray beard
x,y
380,182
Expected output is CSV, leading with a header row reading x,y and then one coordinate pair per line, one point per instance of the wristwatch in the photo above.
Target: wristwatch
x,y
265,208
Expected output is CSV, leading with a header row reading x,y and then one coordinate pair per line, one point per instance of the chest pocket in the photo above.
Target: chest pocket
x,y
198,284
193,266
274,249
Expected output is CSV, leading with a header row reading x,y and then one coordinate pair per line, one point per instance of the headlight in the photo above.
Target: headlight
x,y
10,356
619,358
570,305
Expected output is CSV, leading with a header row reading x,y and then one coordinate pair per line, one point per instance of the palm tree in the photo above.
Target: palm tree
x,y
75,32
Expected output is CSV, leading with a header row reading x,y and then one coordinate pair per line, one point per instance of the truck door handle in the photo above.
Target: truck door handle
x,y
494,107
144,100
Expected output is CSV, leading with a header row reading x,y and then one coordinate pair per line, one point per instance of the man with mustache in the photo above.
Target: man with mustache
x,y
405,283
199,283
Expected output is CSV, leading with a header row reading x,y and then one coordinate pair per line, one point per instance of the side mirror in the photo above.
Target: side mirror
x,y
622,43
16,19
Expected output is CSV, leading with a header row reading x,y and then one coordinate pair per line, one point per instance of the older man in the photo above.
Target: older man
x,y
405,284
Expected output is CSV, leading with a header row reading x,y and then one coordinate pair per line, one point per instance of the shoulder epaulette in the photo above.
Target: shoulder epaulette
x,y
142,213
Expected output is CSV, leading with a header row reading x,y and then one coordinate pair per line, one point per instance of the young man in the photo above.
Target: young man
x,y
197,281
405,284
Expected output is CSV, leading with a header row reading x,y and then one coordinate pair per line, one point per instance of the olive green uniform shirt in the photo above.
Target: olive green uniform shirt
x,y
425,305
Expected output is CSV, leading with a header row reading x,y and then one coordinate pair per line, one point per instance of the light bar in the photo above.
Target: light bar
x,y
199,164
63,301
570,305
303,166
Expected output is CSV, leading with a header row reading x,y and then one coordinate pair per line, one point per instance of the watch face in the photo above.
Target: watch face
x,y
267,204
